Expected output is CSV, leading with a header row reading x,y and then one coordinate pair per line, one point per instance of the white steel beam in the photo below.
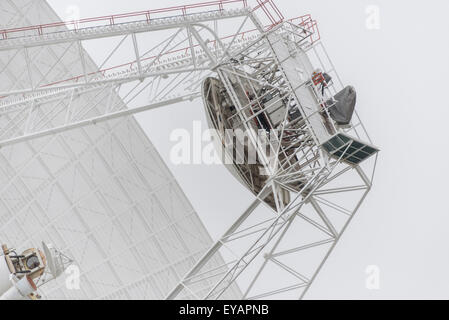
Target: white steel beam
x,y
172,72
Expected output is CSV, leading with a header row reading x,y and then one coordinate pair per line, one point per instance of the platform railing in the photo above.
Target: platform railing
x,y
116,19
267,6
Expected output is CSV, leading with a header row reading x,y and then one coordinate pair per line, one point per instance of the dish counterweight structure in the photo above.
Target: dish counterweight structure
x,y
256,73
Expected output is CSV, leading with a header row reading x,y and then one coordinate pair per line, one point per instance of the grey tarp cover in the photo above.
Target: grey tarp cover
x,y
344,106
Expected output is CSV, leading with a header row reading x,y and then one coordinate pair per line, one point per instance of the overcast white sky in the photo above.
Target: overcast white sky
x,y
401,74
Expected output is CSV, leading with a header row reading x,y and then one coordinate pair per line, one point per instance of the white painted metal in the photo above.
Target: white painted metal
x,y
103,194
57,262
19,290
297,239
186,49
5,281
297,68
22,273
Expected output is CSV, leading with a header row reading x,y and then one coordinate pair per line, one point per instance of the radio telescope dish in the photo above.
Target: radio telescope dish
x,y
56,261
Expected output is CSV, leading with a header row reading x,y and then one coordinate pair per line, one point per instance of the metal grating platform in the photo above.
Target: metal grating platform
x,y
102,193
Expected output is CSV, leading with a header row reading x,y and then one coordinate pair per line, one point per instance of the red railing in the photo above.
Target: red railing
x,y
310,25
148,15
267,6
304,21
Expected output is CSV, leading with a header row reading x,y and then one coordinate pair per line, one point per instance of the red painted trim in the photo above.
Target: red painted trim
x,y
218,5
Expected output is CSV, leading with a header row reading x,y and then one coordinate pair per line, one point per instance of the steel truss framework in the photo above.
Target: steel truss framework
x,y
318,212
191,45
101,194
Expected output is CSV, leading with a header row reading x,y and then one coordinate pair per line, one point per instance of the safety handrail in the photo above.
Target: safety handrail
x,y
112,20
